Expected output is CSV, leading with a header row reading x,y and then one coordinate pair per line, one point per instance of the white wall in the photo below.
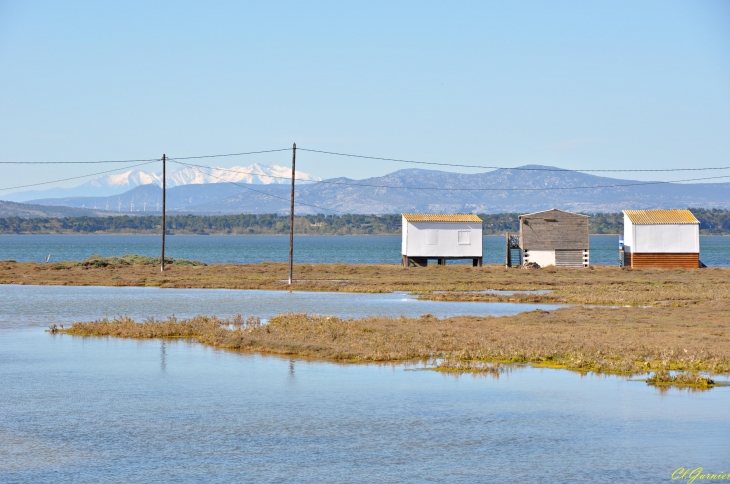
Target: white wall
x,y
679,238
628,234
543,258
441,239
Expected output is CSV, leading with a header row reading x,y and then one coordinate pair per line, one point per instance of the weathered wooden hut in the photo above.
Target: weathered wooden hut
x,y
661,238
441,237
555,238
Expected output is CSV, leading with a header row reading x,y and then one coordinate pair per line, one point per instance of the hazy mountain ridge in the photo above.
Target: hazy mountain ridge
x,y
25,210
498,191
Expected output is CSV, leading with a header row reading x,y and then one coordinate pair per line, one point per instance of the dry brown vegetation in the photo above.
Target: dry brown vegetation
x,y
660,320
689,379
595,286
619,340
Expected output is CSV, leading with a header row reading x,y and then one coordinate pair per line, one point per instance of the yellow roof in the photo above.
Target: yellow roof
x,y
658,217
441,217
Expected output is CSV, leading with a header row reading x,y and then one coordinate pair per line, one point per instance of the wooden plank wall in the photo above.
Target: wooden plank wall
x,y
568,232
571,258
665,261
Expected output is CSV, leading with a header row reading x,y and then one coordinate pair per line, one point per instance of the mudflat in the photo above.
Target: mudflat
x,y
626,321
598,285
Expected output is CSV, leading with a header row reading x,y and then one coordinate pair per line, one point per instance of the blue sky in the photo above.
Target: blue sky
x,y
570,84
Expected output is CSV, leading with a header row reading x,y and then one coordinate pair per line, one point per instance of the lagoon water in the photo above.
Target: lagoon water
x,y
715,251
76,409
43,305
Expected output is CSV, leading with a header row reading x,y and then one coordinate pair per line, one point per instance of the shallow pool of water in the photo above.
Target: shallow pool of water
x,y
42,305
76,409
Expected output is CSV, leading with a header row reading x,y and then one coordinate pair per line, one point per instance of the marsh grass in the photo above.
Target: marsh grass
x,y
610,286
603,340
683,379
451,365
96,261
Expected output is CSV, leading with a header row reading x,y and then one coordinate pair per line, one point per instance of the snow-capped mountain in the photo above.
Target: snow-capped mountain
x,y
127,180
117,183
253,174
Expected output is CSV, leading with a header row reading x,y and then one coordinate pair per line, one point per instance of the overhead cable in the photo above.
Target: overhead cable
x,y
73,162
76,177
230,154
508,168
132,161
350,155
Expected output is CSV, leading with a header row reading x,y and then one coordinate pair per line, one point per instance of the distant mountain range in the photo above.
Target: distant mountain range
x,y
115,184
528,189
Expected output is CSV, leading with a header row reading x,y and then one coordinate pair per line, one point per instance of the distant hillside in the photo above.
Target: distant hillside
x,y
498,191
24,210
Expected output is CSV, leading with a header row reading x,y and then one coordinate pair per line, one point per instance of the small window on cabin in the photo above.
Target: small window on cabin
x,y
432,237
551,220
464,237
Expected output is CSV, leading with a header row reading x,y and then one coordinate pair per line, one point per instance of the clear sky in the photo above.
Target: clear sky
x,y
573,84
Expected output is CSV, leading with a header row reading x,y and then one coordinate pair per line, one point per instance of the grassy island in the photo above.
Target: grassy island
x,y
623,321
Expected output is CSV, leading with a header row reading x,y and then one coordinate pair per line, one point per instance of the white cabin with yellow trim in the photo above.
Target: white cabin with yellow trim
x,y
441,237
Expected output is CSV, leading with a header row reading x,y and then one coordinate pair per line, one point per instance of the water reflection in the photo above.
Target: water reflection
x,y
163,356
292,376
103,397
45,305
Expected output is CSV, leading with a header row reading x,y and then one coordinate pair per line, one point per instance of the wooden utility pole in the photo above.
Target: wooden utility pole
x,y
291,216
162,257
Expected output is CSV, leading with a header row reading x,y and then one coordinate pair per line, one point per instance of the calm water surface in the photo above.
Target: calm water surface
x,y
44,305
715,251
78,409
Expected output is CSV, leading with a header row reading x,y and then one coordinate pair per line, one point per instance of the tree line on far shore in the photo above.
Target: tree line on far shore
x,y
712,222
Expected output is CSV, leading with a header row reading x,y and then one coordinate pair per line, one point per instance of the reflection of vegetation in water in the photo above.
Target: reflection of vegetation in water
x,y
691,380
458,367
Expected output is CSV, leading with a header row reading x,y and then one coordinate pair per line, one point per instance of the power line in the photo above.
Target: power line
x,y
350,155
507,168
73,162
75,177
132,161
194,167
230,154
615,185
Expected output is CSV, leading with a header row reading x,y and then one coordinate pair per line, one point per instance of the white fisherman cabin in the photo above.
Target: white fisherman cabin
x,y
661,238
441,237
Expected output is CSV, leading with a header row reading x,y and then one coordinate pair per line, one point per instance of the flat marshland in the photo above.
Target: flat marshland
x,y
621,340
636,321
598,285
